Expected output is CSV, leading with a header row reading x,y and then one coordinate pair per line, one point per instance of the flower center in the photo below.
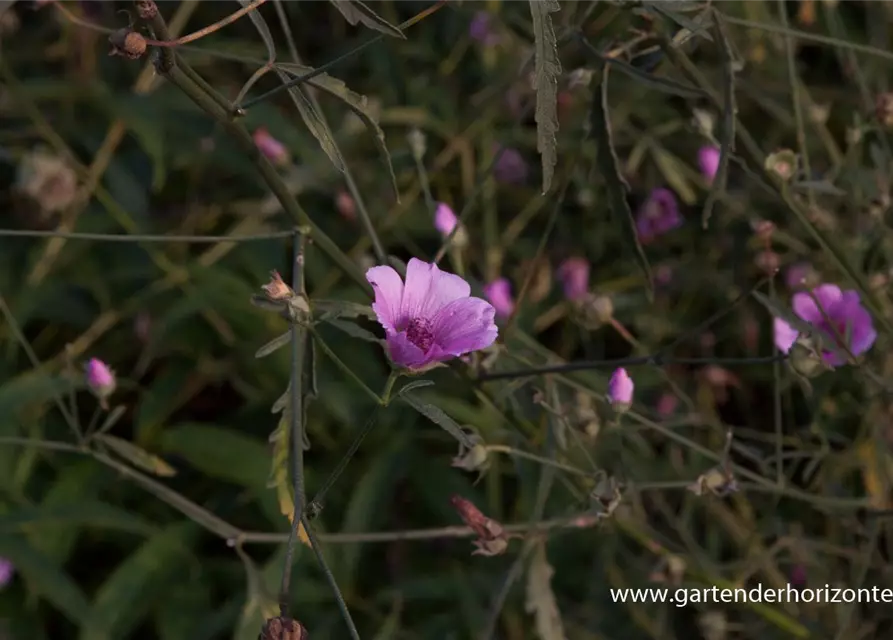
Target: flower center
x,y
420,334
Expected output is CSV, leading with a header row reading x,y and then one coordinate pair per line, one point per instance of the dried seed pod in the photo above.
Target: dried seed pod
x,y
127,43
282,628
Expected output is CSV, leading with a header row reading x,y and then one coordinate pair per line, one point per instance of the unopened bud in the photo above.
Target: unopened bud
x,y
620,391
276,289
597,310
100,379
282,628
768,262
127,43
763,229
417,144
782,163
805,360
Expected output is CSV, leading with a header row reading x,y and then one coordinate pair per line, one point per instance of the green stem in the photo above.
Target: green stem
x,y
347,370
389,388
499,448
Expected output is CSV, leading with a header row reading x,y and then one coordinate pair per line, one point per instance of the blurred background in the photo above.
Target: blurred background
x,y
625,175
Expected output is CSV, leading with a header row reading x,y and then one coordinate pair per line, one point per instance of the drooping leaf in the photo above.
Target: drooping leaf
x,y
138,456
355,102
615,185
438,417
273,345
547,69
356,12
540,598
45,577
128,594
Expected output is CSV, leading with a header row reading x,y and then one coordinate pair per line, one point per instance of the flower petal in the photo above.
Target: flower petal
x,y
404,353
854,319
804,306
388,289
463,326
428,289
785,335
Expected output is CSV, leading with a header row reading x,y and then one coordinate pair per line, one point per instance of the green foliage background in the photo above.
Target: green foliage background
x,y
103,543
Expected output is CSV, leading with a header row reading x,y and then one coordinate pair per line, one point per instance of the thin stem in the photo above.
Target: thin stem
x,y
117,237
389,388
347,370
500,448
296,428
634,361
333,584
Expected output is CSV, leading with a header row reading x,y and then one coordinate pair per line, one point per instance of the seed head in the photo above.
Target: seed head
x,y
127,43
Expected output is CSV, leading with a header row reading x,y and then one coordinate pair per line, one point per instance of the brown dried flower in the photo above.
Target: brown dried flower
x,y
492,539
127,43
282,628
276,289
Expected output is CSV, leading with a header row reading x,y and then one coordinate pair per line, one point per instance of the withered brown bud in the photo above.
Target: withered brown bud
x,y
276,289
492,539
768,262
883,109
128,43
146,9
282,628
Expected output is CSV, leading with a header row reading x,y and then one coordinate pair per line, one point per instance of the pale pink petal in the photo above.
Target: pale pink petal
x,y
851,317
805,307
463,326
785,335
388,289
405,353
499,293
428,289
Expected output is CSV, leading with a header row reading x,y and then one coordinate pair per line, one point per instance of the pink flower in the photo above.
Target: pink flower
x,y
620,390
431,318
574,276
6,571
481,29
708,161
444,219
843,309
100,378
499,293
658,215
666,405
510,166
345,205
273,150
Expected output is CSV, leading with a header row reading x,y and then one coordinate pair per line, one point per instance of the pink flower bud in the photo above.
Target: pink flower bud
x,y
499,293
444,219
273,150
708,161
574,276
666,405
100,378
620,390
346,206
6,571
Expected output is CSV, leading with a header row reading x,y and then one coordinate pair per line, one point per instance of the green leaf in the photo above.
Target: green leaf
x,y
84,513
344,309
138,456
610,168
44,577
438,417
547,69
33,388
356,12
136,584
819,186
220,453
273,345
353,330
355,102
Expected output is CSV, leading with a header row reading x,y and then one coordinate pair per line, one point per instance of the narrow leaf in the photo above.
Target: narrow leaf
x,y
540,598
218,452
438,417
353,330
137,456
355,102
83,513
44,577
279,476
547,69
112,418
610,168
273,345
356,12
819,186
344,309
692,27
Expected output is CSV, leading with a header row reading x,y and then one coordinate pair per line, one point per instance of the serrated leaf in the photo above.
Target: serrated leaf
x,y
356,12
610,168
438,417
355,102
129,593
44,577
540,599
138,456
547,69
279,476
273,345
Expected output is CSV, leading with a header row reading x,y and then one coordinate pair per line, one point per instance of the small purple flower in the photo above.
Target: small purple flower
x,y
708,161
499,293
574,276
270,147
444,219
6,571
658,215
100,378
843,309
481,29
620,390
431,318
510,167
798,275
